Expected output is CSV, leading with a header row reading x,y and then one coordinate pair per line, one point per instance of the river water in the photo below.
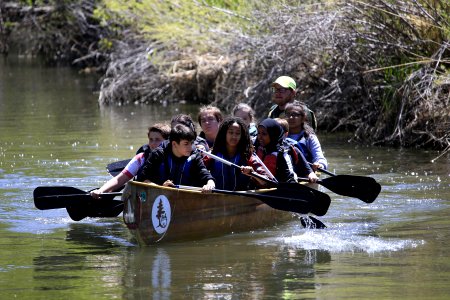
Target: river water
x,y
52,132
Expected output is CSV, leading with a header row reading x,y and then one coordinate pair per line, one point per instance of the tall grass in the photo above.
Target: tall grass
x,y
405,48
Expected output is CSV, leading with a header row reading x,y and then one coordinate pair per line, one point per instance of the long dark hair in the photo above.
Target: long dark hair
x,y
244,147
302,107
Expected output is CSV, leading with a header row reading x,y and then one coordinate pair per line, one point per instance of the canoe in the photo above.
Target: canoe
x,y
156,214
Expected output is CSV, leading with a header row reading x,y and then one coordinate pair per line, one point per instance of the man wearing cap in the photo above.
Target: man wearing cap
x,y
283,91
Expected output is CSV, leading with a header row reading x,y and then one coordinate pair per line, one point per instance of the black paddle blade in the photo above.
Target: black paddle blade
x,y
117,167
361,187
277,201
51,197
95,209
318,202
312,223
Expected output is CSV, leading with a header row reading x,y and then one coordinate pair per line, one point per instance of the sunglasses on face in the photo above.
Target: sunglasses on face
x,y
293,115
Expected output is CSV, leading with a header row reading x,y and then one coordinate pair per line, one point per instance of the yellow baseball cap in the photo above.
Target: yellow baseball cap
x,y
286,82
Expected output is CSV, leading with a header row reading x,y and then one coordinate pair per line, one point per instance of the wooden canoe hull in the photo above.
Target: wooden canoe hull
x,y
157,214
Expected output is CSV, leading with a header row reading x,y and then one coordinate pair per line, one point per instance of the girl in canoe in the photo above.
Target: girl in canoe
x,y
247,114
269,148
301,166
209,117
234,145
303,136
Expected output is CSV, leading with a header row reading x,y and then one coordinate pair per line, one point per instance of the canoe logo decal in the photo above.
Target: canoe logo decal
x,y
161,214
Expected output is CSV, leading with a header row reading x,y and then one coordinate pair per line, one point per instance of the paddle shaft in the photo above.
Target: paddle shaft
x,y
75,195
237,193
323,170
226,162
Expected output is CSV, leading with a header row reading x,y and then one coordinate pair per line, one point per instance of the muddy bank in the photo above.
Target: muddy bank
x,y
363,79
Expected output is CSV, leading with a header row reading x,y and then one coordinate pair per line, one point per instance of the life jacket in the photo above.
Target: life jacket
x,y
300,144
170,170
228,177
147,152
272,160
295,151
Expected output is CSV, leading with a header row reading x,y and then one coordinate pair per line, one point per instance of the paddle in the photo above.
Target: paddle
x,y
79,204
312,223
288,195
117,167
361,187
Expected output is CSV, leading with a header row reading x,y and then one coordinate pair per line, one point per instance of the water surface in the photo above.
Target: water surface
x,y
52,132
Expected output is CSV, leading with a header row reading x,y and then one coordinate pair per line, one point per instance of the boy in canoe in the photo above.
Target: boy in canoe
x,y
156,135
178,163
135,165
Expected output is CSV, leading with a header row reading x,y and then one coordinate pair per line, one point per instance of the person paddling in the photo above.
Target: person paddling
x,y
301,166
178,163
234,145
269,148
135,165
302,136
156,135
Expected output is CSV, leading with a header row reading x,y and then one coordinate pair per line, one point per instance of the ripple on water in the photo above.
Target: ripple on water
x,y
343,241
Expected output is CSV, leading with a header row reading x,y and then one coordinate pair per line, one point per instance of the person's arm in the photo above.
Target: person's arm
x,y
318,159
111,185
203,174
123,177
303,167
285,171
255,166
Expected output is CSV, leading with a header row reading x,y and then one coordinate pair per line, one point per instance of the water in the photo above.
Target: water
x,y
54,133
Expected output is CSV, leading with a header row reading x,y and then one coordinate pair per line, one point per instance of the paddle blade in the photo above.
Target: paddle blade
x,y
312,223
280,202
318,202
117,167
95,209
51,197
361,187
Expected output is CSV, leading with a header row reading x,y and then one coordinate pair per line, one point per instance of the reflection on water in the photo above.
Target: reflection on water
x,y
60,136
215,269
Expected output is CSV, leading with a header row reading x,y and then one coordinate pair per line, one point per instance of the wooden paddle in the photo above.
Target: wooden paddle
x,y
117,167
288,194
361,187
79,204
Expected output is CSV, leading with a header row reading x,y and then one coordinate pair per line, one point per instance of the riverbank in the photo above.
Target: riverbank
x,y
387,81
